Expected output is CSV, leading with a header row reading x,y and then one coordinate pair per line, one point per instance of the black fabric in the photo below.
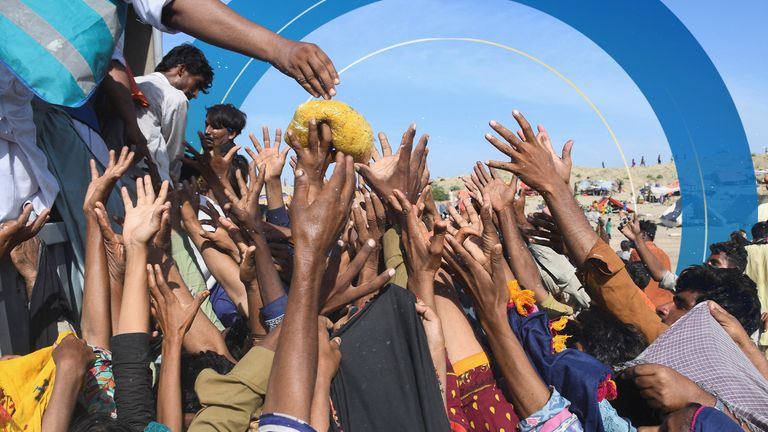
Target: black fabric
x,y
386,381
133,380
48,304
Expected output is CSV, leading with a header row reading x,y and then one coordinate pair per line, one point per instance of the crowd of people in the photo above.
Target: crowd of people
x,y
356,306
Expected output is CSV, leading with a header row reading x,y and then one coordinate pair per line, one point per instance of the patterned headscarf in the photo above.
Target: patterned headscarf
x,y
697,347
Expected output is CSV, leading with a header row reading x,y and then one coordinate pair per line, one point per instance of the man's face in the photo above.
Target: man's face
x,y
681,303
189,83
216,137
719,260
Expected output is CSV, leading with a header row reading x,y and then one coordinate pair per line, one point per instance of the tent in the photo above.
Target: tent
x,y
672,216
668,190
615,205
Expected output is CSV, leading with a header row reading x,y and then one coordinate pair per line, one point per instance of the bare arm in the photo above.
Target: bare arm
x,y
217,24
72,357
632,232
520,259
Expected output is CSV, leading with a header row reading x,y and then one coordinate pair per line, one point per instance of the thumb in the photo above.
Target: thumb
x,y
200,298
300,188
718,313
567,151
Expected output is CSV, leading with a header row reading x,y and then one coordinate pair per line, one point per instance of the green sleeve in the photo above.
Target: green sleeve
x,y
230,402
393,257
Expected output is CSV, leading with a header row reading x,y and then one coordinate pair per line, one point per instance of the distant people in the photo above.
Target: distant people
x,y
633,163
659,159
609,224
178,78
603,163
642,161
619,185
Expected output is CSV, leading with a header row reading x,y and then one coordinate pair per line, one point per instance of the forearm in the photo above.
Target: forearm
x,y
227,272
66,387
520,259
253,295
422,285
441,369
203,335
270,285
578,234
515,366
655,267
217,24
292,380
274,194
321,404
169,410
393,257
95,319
134,308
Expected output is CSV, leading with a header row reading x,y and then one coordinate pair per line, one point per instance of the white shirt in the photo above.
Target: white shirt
x,y
24,174
163,122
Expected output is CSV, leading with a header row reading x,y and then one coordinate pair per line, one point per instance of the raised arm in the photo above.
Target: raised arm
x,y
174,320
631,230
316,227
603,272
96,321
217,24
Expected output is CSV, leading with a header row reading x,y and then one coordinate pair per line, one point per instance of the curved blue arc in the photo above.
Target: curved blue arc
x,y
656,50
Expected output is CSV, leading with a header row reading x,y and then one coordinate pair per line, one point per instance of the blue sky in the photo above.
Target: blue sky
x,y
451,89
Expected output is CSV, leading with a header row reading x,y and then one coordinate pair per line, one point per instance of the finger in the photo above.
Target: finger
x,y
348,188
502,147
163,195
456,217
162,285
324,77
331,70
386,149
127,202
313,81
471,212
300,188
403,203
462,234
438,238
354,267
241,185
305,73
482,172
506,166
505,133
525,126
101,218
94,171
265,136
375,155
567,147
352,294
42,218
360,221
154,291
231,153
149,191
313,138
199,299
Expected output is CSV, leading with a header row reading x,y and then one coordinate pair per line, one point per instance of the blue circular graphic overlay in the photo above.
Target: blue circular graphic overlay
x,y
647,40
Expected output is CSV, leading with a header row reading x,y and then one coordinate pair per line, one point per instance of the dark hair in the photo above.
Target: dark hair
x,y
225,116
191,366
730,288
734,251
760,231
193,59
604,338
639,273
649,229
100,422
236,337
239,163
626,245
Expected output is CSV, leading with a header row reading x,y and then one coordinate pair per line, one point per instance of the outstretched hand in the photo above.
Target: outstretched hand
x,y
316,225
315,158
405,170
666,389
101,185
270,154
532,159
15,232
308,65
144,220
173,317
